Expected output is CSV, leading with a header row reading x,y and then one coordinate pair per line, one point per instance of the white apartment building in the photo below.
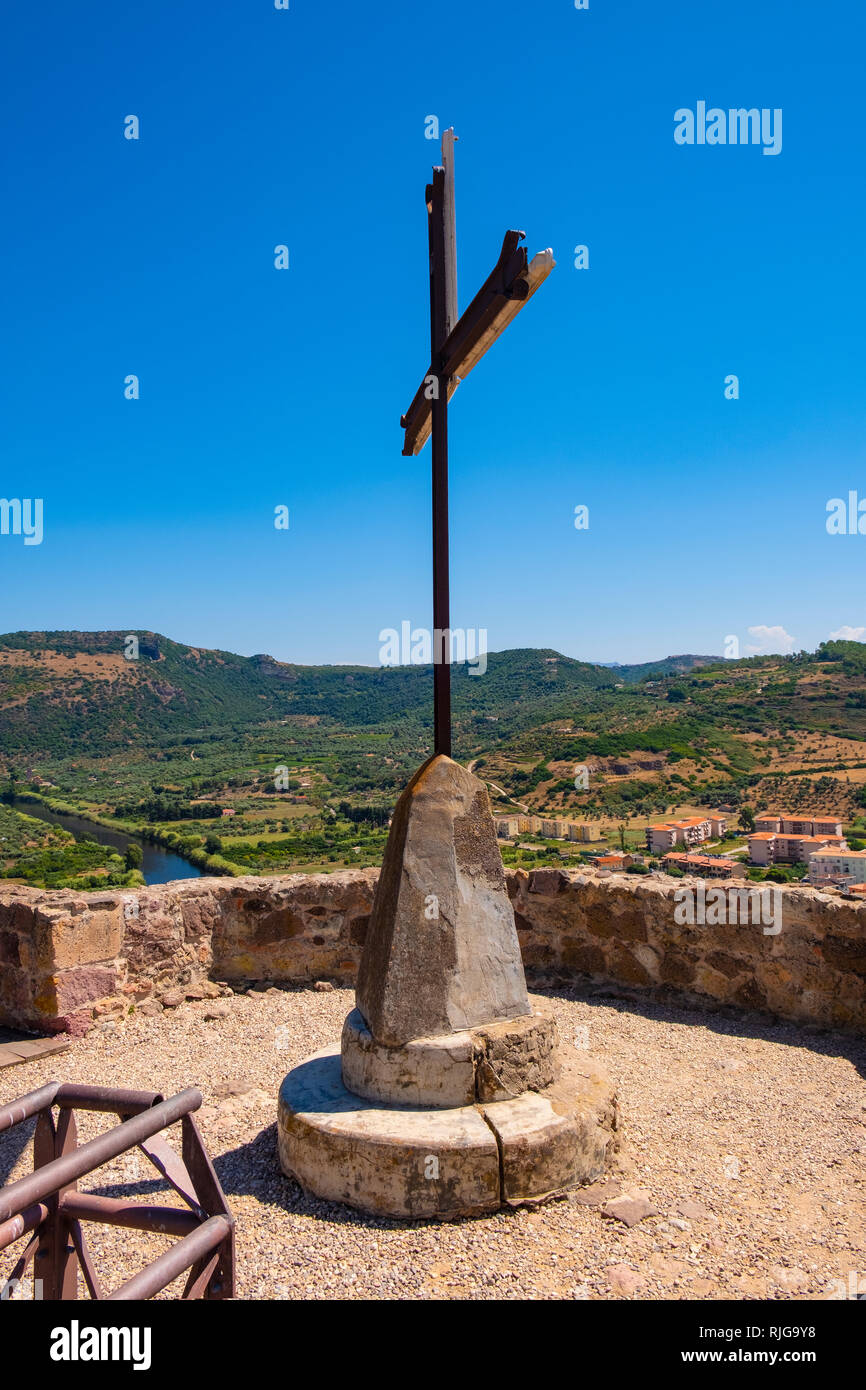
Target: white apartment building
x,y
836,866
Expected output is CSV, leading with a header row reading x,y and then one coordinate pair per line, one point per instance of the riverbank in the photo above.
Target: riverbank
x,y
176,855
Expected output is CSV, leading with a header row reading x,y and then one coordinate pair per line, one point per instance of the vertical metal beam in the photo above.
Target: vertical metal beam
x,y
56,1262
67,1259
220,1280
450,230
44,1262
436,226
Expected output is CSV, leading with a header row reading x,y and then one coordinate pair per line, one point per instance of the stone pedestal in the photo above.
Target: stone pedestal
x,y
447,1095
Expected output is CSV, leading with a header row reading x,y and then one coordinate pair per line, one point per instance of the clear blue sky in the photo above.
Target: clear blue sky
x,y
261,387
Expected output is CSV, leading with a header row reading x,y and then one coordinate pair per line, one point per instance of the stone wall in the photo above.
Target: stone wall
x,y
622,928
66,959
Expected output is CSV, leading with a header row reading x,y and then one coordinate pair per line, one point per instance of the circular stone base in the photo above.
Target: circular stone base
x,y
442,1164
498,1061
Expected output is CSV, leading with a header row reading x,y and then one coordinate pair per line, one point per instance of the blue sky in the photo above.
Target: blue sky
x,y
262,387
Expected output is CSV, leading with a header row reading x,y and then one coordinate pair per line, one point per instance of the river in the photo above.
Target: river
x,y
158,865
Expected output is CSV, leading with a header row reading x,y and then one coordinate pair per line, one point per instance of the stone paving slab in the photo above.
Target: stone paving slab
x,y
12,1054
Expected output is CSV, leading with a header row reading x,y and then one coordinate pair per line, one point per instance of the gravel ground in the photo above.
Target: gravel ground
x,y
748,1138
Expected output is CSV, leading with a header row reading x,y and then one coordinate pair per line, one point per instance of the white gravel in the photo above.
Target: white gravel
x,y
761,1128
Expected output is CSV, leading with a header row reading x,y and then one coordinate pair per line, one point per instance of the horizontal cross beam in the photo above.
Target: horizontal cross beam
x,y
510,284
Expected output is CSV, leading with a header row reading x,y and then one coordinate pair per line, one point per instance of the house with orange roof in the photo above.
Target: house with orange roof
x,y
706,865
693,830
614,861
765,848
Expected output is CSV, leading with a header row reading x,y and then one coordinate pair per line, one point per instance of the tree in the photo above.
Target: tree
x,y
134,855
213,844
746,819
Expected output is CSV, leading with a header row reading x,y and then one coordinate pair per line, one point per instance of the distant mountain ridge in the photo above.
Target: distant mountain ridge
x,y
64,689
668,666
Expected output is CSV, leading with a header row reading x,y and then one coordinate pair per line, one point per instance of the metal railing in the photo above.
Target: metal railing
x,y
47,1202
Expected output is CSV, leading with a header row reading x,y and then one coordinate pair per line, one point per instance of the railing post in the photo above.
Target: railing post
x,y
220,1282
55,1266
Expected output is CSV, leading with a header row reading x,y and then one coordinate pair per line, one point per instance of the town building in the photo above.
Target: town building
x,y
549,827
762,848
585,831
779,823
827,826
796,825
834,867
693,830
706,865
765,848
507,827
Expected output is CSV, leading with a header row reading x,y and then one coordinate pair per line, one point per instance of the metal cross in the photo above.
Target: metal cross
x,y
456,345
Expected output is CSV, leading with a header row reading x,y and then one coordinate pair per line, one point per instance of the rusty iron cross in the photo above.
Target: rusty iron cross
x,y
456,345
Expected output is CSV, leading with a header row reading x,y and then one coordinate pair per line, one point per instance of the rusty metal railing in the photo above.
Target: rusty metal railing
x,y
47,1204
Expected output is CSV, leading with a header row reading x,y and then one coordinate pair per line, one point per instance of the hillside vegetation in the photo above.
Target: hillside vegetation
x,y
310,760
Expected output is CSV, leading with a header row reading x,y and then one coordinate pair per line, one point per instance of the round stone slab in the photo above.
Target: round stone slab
x,y
558,1138
442,1164
438,1073
395,1162
498,1061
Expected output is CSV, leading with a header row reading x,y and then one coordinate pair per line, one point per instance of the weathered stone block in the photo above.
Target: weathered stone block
x,y
87,938
69,990
609,920
10,952
514,1056
547,881
557,1139
432,1072
441,953
442,1164
588,960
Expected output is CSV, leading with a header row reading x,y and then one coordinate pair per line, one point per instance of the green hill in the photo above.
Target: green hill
x,y
60,691
310,759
